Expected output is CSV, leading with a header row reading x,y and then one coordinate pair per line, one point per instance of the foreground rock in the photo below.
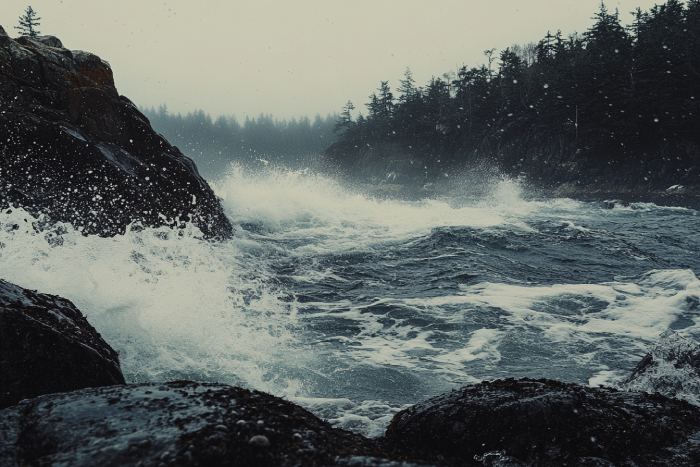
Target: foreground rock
x,y
549,423
74,149
671,367
180,424
47,346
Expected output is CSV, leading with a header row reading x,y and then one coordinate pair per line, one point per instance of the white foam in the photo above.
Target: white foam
x,y
369,418
606,378
327,217
620,317
482,345
173,306
670,371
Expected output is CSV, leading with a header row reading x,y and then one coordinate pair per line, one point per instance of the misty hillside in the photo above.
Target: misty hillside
x,y
213,144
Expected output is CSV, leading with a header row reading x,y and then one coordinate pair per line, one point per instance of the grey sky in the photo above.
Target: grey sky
x,y
293,58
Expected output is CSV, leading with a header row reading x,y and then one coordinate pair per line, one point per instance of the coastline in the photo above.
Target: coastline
x,y
674,196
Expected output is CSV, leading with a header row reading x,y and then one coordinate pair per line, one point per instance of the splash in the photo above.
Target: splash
x,y
320,214
670,368
355,306
173,305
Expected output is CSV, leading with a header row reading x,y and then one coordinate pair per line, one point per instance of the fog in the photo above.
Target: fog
x,y
297,58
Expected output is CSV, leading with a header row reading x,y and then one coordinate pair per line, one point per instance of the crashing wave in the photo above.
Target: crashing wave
x,y
671,368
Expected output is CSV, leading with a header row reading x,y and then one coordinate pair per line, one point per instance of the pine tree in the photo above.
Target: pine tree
x,y
27,23
345,118
407,88
386,99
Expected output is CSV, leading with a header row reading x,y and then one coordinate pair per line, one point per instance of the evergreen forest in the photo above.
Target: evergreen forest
x,y
617,100
213,144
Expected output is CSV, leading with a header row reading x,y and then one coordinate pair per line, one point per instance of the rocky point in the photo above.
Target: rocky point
x,y
73,149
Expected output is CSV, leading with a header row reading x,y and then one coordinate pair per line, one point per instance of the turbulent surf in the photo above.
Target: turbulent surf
x,y
356,307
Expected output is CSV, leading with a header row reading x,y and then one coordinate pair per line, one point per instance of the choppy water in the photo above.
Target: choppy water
x,y
356,307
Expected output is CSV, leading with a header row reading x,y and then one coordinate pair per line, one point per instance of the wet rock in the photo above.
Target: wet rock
x,y
47,346
671,367
498,459
548,423
361,461
77,151
259,441
178,423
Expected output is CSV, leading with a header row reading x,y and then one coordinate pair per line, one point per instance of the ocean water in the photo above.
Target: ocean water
x,y
356,307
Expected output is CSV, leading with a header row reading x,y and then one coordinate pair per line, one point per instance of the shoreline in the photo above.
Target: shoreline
x,y
675,196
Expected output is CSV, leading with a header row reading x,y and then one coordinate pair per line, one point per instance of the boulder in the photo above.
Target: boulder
x,y
75,150
179,423
47,346
548,423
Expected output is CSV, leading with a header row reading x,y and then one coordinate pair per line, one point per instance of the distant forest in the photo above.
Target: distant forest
x,y
213,144
614,94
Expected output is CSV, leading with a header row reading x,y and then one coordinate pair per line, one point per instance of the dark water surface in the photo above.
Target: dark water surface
x,y
355,307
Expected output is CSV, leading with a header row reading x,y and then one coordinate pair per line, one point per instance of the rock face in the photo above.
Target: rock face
x,y
549,423
179,423
47,346
72,148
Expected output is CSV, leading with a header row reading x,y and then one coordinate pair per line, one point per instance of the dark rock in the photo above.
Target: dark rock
x,y
47,346
671,367
362,461
498,459
179,424
74,149
548,423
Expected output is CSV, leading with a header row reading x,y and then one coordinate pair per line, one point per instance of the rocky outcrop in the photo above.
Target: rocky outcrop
x,y
548,423
47,346
72,148
593,161
553,165
180,424
667,174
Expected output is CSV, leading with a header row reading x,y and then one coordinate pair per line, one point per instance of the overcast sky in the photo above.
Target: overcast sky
x,y
295,57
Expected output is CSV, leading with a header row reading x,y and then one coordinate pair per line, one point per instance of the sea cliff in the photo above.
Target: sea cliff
x,y
74,150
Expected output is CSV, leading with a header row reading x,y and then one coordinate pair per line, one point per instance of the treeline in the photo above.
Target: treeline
x,y
215,143
612,94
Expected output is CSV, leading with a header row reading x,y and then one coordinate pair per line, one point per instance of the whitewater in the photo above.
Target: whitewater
x,y
357,307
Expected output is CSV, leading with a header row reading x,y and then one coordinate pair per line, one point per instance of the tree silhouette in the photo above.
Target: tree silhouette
x,y
27,23
345,121
616,95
